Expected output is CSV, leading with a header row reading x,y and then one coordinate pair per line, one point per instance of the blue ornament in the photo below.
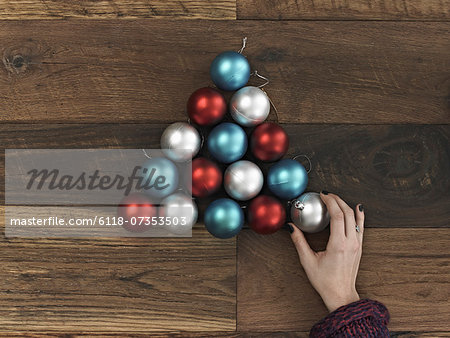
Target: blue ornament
x,y
224,218
160,177
287,179
230,71
227,142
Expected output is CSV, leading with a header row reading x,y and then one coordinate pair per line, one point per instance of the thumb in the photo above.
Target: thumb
x,y
305,252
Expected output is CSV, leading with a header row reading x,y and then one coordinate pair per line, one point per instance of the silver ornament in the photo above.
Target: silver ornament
x,y
243,180
249,106
180,212
309,213
180,142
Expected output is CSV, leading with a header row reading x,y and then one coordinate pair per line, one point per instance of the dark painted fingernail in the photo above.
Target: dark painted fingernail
x,y
324,192
290,228
361,208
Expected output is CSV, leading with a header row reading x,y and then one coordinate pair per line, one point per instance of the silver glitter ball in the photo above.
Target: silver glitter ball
x,y
180,142
181,212
243,180
309,213
249,106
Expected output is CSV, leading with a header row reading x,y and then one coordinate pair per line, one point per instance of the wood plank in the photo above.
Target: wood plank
x,y
118,285
144,70
344,10
60,9
396,171
283,334
232,334
406,270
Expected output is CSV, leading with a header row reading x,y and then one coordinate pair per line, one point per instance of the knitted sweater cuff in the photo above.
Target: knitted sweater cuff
x,y
357,318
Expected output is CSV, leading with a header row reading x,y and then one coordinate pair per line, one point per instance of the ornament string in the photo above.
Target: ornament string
x,y
255,73
244,44
145,154
307,158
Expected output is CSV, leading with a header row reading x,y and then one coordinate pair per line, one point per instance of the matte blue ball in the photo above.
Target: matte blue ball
x,y
227,142
230,71
164,169
287,179
224,218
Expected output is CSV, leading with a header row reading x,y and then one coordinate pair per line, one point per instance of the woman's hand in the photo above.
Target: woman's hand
x,y
333,272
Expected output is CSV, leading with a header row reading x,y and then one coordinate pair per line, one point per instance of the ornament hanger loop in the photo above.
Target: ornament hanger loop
x,y
244,44
309,161
255,73
145,154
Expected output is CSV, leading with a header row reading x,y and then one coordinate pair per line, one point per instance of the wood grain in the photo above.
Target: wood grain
x,y
118,285
128,9
232,334
344,10
406,270
144,70
396,171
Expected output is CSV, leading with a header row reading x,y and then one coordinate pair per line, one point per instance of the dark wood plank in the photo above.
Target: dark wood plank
x,y
60,9
396,171
118,285
344,10
144,70
406,270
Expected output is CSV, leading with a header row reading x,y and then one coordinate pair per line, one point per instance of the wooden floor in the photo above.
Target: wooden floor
x,y
362,87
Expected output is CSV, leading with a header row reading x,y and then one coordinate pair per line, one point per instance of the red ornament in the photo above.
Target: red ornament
x,y
206,177
266,215
269,142
206,106
134,206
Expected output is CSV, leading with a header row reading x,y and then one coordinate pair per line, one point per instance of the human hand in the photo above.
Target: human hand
x,y
333,272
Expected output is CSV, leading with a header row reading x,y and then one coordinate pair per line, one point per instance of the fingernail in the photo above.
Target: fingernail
x,y
361,208
290,228
324,192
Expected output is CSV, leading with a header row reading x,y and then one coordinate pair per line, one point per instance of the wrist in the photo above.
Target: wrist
x,y
334,303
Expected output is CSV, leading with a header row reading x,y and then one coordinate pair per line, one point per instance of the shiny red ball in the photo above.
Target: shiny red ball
x,y
136,209
206,106
266,215
206,177
269,142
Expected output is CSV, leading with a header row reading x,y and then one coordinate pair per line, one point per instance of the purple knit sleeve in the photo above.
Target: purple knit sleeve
x,y
364,318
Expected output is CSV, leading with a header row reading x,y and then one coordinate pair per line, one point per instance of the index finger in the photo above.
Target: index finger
x,y
337,224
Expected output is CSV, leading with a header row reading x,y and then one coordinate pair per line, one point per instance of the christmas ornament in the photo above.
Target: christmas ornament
x,y
243,180
249,106
287,179
269,142
227,142
132,208
224,218
309,213
181,211
266,215
180,142
230,71
206,106
206,177
160,177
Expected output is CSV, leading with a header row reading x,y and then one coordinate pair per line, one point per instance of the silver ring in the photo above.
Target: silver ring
x,y
357,228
